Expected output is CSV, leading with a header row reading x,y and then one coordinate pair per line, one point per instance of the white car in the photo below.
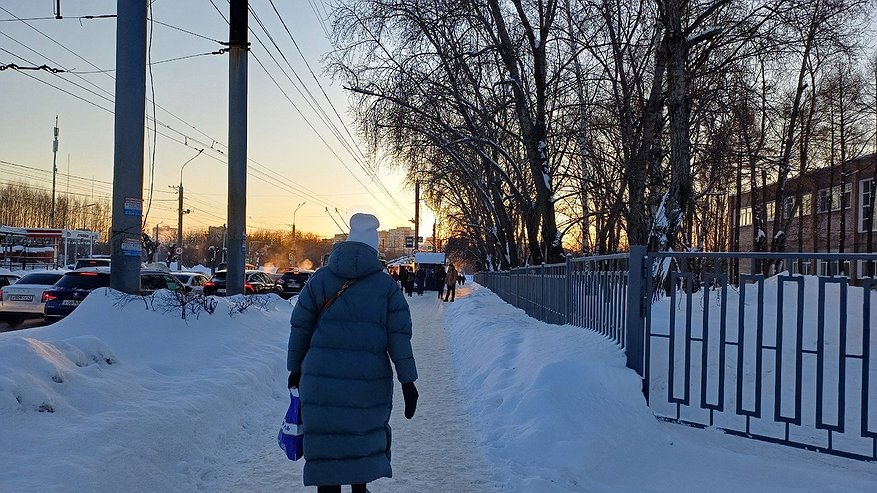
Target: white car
x,y
193,281
7,278
24,299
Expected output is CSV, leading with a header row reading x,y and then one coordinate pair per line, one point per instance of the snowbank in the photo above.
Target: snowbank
x,y
124,398
558,411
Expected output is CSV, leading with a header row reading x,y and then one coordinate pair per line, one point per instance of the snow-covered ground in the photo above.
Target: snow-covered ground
x,y
128,398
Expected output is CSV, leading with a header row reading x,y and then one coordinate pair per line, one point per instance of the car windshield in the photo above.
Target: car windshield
x,y
44,278
86,280
219,276
92,262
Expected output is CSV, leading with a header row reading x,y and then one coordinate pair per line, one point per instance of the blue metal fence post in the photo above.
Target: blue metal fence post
x,y
634,337
542,289
568,290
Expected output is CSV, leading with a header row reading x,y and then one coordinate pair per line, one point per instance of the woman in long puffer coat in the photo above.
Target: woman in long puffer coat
x,y
340,356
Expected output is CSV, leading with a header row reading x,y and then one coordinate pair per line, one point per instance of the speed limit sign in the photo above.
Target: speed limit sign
x,y
178,250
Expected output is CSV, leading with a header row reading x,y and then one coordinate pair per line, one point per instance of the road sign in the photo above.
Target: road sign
x,y
409,242
178,250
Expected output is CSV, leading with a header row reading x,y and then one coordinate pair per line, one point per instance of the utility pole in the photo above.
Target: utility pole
x,y
130,109
237,145
416,212
54,173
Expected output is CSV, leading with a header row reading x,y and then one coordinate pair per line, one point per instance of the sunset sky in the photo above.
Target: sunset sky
x,y
295,156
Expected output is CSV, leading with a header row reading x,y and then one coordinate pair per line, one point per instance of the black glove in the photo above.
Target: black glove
x,y
294,379
409,392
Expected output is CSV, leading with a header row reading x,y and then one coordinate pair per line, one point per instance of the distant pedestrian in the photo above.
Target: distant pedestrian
x,y
460,278
420,280
451,282
409,281
440,280
351,321
403,276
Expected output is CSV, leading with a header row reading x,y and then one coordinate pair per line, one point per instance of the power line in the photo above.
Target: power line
x,y
79,17
159,62
360,157
320,113
264,171
208,38
287,186
305,119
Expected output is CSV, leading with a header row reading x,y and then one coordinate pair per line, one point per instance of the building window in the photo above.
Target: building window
x,y
769,210
866,191
867,268
831,199
789,209
746,216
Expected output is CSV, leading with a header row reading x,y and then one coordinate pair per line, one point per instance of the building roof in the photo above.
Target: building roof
x,y
429,258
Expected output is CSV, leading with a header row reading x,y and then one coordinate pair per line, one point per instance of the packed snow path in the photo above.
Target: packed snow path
x,y
434,451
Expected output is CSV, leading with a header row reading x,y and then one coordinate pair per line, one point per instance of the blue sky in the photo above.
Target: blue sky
x,y
293,163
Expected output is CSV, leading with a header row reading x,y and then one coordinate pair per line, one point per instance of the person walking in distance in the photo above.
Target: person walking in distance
x,y
350,324
451,282
440,280
420,280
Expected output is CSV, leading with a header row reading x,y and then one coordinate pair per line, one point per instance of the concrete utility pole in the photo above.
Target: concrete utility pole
x,y
54,173
130,112
237,145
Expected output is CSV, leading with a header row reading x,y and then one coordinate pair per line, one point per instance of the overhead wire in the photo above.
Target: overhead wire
x,y
325,120
318,111
289,187
358,156
265,172
299,189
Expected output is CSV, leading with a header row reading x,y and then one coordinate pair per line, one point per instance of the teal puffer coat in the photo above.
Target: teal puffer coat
x,y
344,358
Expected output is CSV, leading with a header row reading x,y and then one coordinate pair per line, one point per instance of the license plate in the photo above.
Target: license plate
x,y
70,302
220,291
21,297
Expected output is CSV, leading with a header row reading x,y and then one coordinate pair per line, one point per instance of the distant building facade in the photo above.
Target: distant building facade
x,y
829,210
391,243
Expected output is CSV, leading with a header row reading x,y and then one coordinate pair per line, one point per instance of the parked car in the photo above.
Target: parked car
x,y
293,281
192,281
102,261
255,282
24,298
8,278
62,298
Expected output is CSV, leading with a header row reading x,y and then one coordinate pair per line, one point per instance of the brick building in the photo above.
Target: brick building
x,y
829,210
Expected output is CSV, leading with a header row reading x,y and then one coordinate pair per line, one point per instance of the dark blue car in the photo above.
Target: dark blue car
x,y
62,298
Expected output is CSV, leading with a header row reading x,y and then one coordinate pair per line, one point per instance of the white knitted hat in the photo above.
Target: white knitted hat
x,y
364,229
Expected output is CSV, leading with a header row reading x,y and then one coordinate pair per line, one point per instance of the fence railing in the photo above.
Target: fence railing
x,y
778,347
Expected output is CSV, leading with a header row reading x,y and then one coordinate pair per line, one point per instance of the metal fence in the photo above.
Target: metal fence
x,y
777,347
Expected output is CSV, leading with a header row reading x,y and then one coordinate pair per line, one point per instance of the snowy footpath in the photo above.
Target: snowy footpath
x,y
129,397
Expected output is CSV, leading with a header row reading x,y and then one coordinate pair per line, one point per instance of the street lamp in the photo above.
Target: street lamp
x,y
293,229
180,210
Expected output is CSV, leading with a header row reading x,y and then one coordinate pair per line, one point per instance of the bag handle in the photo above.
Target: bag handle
x,y
328,301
